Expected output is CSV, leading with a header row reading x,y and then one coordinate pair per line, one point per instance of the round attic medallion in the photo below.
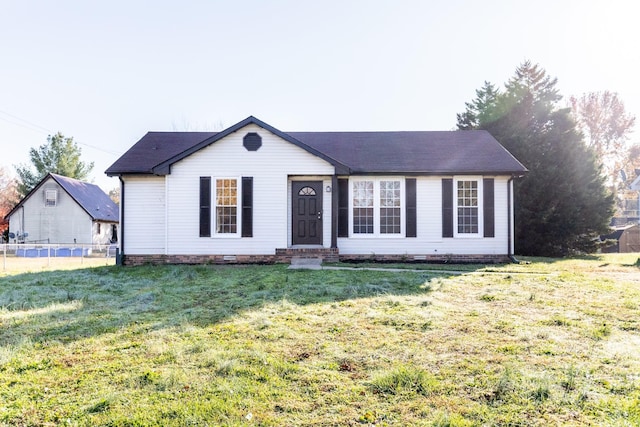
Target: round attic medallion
x,y
252,141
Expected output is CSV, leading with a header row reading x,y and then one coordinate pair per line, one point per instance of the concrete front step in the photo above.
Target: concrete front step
x,y
302,263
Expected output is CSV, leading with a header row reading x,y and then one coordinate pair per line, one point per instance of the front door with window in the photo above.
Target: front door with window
x,y
306,215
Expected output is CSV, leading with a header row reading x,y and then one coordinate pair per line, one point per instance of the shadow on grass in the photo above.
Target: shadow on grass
x,y
107,299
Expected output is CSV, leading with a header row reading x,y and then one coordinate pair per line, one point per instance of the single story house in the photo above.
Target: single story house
x,y
62,210
252,193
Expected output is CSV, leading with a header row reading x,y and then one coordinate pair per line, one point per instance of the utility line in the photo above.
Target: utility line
x,y
36,128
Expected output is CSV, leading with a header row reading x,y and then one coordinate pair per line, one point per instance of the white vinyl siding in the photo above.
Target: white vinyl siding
x,y
65,222
144,223
429,227
270,166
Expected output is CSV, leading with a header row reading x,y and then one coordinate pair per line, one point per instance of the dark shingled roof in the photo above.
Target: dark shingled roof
x,y
90,197
155,148
445,152
439,152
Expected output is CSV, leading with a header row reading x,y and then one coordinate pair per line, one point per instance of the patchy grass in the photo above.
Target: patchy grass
x,y
11,264
553,342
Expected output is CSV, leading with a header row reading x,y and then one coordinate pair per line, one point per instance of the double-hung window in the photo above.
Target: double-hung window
x,y
363,207
468,194
390,219
50,198
226,206
376,207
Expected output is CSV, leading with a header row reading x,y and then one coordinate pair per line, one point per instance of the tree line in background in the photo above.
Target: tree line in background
x,y
575,156
579,159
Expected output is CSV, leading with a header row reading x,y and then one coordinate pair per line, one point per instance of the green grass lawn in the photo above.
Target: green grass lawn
x,y
553,342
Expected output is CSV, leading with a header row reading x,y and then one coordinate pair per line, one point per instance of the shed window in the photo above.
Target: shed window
x,y
50,198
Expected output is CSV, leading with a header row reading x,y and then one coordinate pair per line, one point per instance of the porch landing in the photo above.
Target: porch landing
x,y
304,252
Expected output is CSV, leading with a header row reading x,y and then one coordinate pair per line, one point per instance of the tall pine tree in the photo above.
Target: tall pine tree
x,y
562,204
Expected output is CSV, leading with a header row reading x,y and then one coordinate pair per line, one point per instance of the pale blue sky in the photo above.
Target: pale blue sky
x,y
107,72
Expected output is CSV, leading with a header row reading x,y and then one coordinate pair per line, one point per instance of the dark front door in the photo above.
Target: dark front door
x,y
306,215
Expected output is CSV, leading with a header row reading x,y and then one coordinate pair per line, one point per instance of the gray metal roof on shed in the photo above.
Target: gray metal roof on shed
x,y
90,197
411,152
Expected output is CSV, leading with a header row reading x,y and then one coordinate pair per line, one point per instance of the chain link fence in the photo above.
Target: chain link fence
x,y
24,257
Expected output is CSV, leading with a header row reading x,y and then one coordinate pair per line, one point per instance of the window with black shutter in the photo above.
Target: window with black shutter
x,y
343,208
447,207
488,204
205,206
411,211
247,206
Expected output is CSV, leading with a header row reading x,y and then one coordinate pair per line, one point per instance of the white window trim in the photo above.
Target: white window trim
x,y
46,198
480,232
376,208
214,212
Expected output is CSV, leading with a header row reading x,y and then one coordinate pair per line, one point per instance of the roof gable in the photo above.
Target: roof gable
x,y
171,147
89,197
446,152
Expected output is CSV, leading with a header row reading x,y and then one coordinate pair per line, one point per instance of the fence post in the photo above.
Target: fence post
x,y
82,254
4,257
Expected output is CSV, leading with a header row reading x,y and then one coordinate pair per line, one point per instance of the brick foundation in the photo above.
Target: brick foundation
x,y
436,259
327,254
201,259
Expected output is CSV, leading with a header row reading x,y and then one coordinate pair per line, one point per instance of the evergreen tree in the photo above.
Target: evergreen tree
x,y
59,155
562,204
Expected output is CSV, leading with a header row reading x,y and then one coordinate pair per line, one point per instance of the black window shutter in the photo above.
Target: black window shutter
x,y
410,200
447,207
247,206
343,208
488,206
205,206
